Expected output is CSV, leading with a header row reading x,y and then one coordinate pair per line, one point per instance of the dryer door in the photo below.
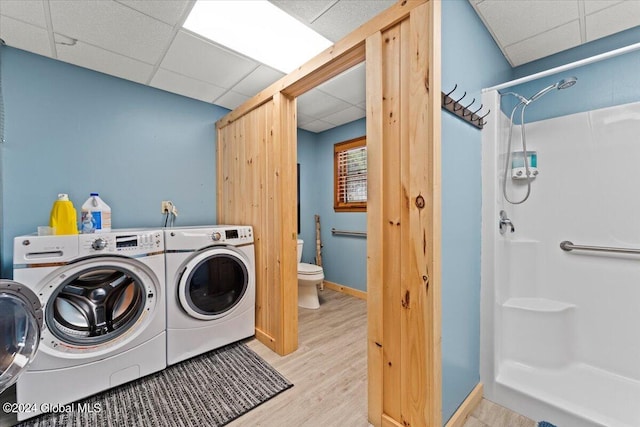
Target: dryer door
x,y
213,282
20,327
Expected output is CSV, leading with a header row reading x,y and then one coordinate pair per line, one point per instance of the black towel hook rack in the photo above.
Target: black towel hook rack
x,y
463,112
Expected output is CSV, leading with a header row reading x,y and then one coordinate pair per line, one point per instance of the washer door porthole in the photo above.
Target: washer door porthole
x,y
95,305
213,283
20,327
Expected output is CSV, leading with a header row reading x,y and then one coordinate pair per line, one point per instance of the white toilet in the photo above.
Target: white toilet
x,y
309,277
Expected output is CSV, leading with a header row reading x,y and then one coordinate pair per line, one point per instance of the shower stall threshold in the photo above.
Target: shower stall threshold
x,y
588,393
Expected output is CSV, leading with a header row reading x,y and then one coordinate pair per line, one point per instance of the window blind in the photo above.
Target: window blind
x,y
352,175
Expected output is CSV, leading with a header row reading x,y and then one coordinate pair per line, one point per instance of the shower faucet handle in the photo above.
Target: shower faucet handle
x,y
505,223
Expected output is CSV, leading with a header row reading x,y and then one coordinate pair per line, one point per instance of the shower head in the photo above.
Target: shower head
x,y
568,82
562,84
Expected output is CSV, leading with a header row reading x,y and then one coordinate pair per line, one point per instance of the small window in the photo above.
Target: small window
x,y
350,175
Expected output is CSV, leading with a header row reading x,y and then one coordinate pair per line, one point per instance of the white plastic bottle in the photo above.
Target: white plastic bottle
x,y
96,215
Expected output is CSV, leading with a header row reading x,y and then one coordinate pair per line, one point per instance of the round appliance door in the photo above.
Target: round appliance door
x,y
20,328
213,283
97,305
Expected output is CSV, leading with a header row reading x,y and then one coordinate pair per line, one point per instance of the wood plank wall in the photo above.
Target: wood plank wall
x,y
403,245
256,167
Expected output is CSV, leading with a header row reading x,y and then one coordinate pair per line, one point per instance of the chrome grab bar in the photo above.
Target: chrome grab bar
x,y
348,233
569,246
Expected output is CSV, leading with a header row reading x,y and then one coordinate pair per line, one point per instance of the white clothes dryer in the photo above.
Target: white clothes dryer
x,y
210,288
104,309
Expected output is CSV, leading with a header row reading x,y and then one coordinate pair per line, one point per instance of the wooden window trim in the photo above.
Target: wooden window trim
x,y
339,206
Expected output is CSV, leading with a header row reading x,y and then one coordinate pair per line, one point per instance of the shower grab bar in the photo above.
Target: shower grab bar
x,y
348,233
569,246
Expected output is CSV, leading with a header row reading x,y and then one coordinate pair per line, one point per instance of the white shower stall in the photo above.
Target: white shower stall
x,y
560,335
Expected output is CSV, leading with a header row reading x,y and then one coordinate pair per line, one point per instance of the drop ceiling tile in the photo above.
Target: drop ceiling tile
x,y
591,6
305,11
345,116
112,26
29,11
25,36
304,119
345,16
195,57
230,100
617,18
318,104
104,61
177,83
513,21
170,12
317,126
547,43
261,78
349,86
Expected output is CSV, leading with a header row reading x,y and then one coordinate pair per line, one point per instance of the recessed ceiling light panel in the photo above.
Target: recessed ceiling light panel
x,y
257,29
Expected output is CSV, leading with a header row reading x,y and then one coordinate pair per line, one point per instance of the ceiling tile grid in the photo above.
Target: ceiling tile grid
x,y
349,86
514,21
347,15
25,36
28,11
259,79
619,17
317,126
169,12
192,88
112,26
193,56
526,30
304,11
593,6
104,61
345,116
553,41
316,103
230,100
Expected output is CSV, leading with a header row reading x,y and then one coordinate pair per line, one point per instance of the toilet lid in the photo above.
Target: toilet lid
x,y
304,268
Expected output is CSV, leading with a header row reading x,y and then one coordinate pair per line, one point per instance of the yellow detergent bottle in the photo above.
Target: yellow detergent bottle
x,y
63,216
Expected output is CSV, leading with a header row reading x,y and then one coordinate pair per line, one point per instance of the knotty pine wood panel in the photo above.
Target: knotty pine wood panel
x,y
256,164
404,340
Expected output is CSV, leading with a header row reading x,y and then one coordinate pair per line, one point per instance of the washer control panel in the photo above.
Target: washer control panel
x,y
125,242
233,235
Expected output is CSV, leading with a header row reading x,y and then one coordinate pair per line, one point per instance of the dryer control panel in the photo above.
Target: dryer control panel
x,y
195,238
128,243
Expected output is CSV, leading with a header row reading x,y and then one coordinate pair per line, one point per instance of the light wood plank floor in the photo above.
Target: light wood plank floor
x,y
329,369
489,414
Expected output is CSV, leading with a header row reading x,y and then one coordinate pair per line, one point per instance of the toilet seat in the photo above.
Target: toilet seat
x,y
305,269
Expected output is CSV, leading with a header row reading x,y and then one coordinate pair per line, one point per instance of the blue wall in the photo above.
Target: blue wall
x,y
72,130
307,159
344,259
471,59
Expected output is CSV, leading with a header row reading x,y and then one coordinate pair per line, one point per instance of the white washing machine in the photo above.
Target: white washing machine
x,y
104,309
210,288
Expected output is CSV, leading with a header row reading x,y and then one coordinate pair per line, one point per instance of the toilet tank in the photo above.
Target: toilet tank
x,y
300,243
